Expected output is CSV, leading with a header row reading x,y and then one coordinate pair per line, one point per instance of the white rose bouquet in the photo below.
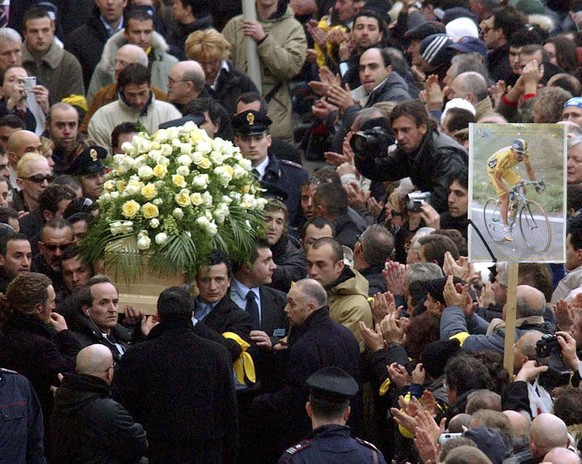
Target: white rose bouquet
x,y
174,197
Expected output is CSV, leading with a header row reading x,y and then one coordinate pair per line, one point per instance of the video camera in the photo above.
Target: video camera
x,y
549,353
373,139
414,200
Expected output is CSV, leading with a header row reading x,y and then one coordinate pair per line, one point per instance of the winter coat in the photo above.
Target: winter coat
x,y
348,302
181,388
318,342
230,85
36,351
58,70
88,427
281,56
86,42
291,263
160,65
429,167
107,117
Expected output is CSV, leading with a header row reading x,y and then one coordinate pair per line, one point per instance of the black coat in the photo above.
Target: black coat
x,y
181,388
88,427
373,275
87,333
429,167
87,42
39,353
227,317
230,85
291,263
318,342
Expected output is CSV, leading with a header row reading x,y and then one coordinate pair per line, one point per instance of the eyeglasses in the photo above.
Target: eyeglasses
x,y
54,247
110,367
39,178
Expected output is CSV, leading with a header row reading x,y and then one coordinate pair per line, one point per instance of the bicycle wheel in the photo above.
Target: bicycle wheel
x,y
535,227
492,220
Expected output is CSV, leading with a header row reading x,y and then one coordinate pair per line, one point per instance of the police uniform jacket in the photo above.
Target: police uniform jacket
x,y
21,429
285,177
332,444
318,342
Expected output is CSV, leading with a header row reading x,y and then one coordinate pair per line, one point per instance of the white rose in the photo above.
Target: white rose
x,y
207,197
186,148
143,243
238,171
226,199
183,171
184,160
189,126
212,229
154,223
200,181
178,213
161,136
196,157
109,186
126,147
247,201
203,222
163,161
161,238
203,147
216,157
246,164
166,149
143,145
145,172
157,201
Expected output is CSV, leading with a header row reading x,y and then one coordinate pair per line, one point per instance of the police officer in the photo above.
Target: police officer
x,y
329,408
90,170
281,178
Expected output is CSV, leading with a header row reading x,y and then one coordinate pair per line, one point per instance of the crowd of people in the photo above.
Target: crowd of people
x,y
356,330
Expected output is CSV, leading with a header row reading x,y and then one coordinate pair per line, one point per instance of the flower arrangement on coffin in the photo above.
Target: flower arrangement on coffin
x,y
170,200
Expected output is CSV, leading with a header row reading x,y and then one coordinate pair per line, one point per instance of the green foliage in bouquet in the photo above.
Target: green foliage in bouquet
x,y
171,199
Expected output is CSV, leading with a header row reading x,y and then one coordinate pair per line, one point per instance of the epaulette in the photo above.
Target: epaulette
x,y
7,371
367,444
290,163
298,447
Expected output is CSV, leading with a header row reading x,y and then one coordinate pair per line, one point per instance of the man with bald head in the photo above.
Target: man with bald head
x,y
315,341
63,129
19,143
89,426
530,307
125,55
547,432
561,456
520,424
186,82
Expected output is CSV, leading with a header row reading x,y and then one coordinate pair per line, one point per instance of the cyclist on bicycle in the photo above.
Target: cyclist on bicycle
x,y
503,177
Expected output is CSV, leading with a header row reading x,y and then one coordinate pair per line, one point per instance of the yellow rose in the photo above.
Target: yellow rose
x,y
121,184
130,209
149,192
196,199
205,163
183,198
178,180
160,171
150,211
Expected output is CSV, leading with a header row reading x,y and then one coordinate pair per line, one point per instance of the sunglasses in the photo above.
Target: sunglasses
x,y
39,178
53,247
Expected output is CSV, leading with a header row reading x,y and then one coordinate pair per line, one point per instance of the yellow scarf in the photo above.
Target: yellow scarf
x,y
244,365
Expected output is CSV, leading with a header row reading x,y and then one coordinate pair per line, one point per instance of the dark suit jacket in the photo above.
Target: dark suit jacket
x,y
273,319
226,316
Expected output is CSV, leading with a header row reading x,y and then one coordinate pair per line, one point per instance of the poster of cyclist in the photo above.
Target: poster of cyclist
x,y
517,188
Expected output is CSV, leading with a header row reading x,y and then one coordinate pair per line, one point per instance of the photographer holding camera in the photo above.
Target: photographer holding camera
x,y
428,157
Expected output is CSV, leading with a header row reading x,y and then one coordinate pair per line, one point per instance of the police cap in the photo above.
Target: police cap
x,y
88,162
332,383
250,122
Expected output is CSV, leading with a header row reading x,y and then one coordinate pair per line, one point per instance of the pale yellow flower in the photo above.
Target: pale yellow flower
x,y
150,211
205,163
130,209
178,180
121,184
149,191
160,171
183,198
196,199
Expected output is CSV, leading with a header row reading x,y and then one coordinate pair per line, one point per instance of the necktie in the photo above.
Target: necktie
x,y
256,174
253,309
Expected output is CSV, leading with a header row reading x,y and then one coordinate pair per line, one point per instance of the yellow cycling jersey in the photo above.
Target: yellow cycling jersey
x,y
504,159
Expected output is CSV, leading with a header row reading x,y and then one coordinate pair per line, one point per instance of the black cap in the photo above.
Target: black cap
x,y
251,122
88,162
424,30
332,383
